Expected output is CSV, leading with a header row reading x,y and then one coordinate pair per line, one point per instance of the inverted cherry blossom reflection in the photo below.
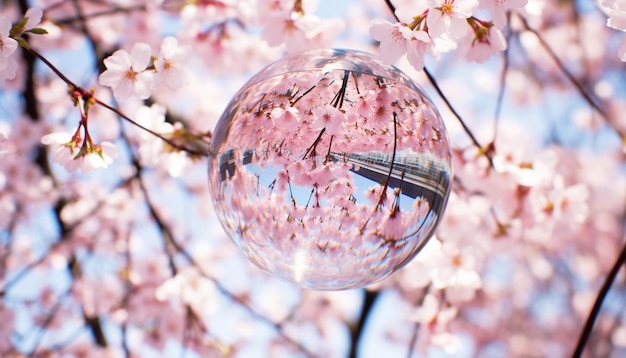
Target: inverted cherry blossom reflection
x,y
329,169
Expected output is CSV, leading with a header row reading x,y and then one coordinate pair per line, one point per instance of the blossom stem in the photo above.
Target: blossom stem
x,y
466,129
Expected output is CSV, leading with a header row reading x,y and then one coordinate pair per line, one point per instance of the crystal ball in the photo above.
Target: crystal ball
x,y
329,169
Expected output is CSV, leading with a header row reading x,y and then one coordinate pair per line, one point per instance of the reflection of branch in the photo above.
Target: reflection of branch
x,y
293,103
383,193
337,101
311,149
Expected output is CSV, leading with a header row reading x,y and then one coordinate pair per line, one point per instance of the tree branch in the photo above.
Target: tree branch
x,y
356,331
579,87
595,310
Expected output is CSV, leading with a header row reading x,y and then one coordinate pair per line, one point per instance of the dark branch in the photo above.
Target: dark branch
x,y
357,330
595,310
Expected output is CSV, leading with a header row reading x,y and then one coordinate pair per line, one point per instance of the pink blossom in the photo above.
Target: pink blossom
x,y
328,117
126,73
7,317
617,13
72,153
392,37
171,64
33,16
8,65
484,47
417,47
100,157
65,151
500,7
449,17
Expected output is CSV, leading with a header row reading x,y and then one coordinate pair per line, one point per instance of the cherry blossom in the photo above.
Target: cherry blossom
x,y
8,45
499,9
449,17
126,73
617,20
72,153
33,16
417,48
170,64
487,42
66,149
393,39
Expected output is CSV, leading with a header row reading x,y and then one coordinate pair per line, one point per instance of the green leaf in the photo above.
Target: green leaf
x,y
18,28
38,31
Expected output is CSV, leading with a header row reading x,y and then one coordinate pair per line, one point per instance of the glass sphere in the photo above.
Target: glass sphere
x,y
329,169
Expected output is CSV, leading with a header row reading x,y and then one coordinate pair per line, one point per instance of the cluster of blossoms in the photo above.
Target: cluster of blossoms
x,y
439,26
293,24
130,75
137,73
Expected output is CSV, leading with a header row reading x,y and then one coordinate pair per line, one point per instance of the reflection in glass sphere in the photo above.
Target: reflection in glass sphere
x,y
329,169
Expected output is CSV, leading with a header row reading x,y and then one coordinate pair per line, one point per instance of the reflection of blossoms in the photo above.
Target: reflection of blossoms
x,y
321,207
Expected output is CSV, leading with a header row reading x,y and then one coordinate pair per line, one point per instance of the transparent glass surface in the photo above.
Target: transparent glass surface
x,y
329,169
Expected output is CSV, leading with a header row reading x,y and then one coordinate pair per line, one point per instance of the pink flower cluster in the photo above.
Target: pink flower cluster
x,y
439,26
129,74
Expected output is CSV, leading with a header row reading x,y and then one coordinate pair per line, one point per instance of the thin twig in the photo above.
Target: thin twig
x,y
86,93
466,129
505,70
595,310
581,89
